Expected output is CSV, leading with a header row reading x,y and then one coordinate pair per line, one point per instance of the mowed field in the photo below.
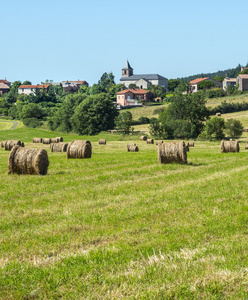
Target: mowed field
x,y
119,225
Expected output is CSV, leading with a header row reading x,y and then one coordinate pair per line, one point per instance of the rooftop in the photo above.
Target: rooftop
x,y
143,76
39,86
134,91
197,80
4,86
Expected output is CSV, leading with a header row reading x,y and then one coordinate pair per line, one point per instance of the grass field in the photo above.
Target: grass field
x,y
119,225
9,124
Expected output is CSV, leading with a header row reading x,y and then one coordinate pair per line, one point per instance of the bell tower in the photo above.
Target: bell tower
x,y
127,70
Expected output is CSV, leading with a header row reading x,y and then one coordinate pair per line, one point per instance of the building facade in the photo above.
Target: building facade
x,y
193,85
30,89
131,97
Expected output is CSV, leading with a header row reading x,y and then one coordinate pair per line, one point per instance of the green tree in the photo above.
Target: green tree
x,y
132,86
206,84
27,82
31,110
157,91
234,128
173,84
95,114
123,122
215,127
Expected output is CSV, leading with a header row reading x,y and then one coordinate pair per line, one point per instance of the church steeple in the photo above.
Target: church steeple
x,y
127,70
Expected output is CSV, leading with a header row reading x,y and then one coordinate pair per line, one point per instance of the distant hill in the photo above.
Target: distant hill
x,y
225,73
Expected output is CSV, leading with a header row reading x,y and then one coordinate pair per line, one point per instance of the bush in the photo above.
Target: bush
x,y
216,93
144,120
234,128
215,127
32,122
203,136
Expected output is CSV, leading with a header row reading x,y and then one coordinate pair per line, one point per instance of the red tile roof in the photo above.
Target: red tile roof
x,y
134,91
197,80
4,81
39,86
4,86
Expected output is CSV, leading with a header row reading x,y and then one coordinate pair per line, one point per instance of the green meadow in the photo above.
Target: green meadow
x,y
121,226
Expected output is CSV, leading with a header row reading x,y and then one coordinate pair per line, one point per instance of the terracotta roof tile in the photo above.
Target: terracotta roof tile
x,y
136,91
4,86
197,80
39,86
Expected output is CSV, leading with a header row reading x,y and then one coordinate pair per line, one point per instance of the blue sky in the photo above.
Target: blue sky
x,y
78,39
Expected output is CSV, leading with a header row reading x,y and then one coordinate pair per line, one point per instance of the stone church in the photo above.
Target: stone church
x,y
143,81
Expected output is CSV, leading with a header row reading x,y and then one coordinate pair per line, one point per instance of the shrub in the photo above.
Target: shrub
x,y
32,122
215,127
234,128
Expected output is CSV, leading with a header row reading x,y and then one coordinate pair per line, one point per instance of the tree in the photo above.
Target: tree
x,y
173,84
206,84
158,91
132,86
215,127
27,82
219,78
95,114
234,128
106,81
31,110
123,122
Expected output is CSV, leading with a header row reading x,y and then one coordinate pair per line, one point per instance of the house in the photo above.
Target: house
x,y
4,88
242,81
8,83
229,82
76,83
130,97
143,81
193,85
30,89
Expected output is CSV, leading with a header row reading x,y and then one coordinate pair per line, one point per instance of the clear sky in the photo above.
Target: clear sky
x,y
79,39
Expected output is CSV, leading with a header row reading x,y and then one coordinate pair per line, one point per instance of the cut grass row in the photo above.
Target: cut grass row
x,y
119,225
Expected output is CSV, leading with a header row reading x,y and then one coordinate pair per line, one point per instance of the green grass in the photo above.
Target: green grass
x,y
236,98
119,225
145,111
10,124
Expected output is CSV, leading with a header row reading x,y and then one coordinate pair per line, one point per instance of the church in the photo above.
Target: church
x,y
143,81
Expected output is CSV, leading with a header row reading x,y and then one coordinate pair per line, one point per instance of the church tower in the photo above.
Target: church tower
x,y
127,70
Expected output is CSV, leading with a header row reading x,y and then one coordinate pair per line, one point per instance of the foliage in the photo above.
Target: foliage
x,y
206,84
173,84
93,115
27,82
215,93
30,110
32,122
132,86
218,78
158,91
234,128
215,127
123,122
225,107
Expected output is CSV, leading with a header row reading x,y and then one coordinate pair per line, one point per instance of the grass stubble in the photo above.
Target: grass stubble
x,y
119,225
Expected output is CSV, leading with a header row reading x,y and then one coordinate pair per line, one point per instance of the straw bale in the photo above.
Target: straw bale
x,y
159,142
102,142
229,146
130,145
46,141
172,152
58,147
54,140
218,114
79,149
28,161
191,144
245,130
133,148
143,138
59,139
37,140
246,146
3,144
187,148
11,143
150,141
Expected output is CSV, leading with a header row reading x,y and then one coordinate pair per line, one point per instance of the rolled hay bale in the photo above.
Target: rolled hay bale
x,y
246,146
46,141
28,161
143,138
172,152
54,140
159,143
218,114
37,140
3,144
229,146
187,148
79,149
59,139
133,148
191,144
114,131
58,147
150,141
130,145
102,142
11,143
245,130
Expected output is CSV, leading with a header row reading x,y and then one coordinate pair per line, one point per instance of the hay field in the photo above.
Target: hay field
x,y
119,225
10,124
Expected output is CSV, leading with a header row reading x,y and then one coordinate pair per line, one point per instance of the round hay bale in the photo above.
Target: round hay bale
x,y
102,142
58,147
11,143
3,144
59,139
54,140
79,149
187,148
191,144
159,142
218,114
172,152
130,145
28,161
133,148
114,131
150,141
246,146
37,140
143,138
245,130
229,146
46,141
